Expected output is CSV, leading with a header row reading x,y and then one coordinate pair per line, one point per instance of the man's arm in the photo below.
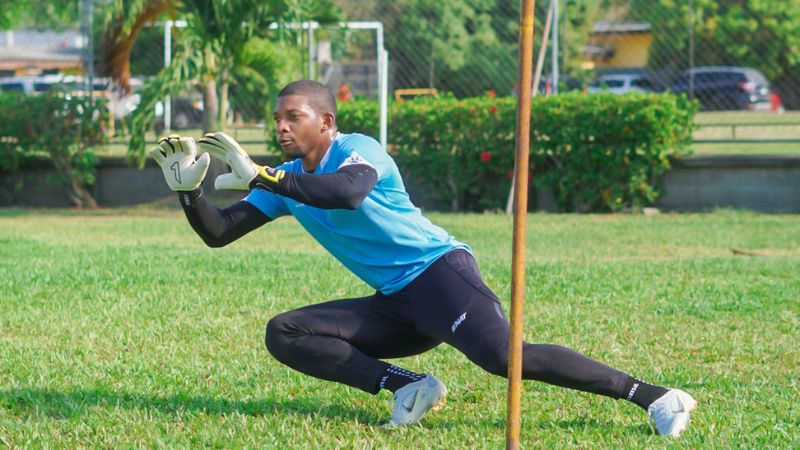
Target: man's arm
x,y
345,189
184,174
219,227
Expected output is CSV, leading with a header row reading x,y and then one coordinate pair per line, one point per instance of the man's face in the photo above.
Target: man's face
x,y
299,128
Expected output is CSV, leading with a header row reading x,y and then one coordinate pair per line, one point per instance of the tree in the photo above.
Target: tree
x,y
213,51
62,129
56,14
466,48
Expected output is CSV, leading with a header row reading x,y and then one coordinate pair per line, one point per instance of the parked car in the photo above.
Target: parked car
x,y
622,83
45,83
121,104
727,87
16,84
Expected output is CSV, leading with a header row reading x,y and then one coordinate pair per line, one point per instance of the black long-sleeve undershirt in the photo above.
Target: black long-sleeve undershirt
x,y
345,189
219,227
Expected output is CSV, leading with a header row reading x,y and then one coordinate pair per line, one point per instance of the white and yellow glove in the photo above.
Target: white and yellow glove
x,y
176,156
245,174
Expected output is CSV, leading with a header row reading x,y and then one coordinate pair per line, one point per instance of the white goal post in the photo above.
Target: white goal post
x,y
382,57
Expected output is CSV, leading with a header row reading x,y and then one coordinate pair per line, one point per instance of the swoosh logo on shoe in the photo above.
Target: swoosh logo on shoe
x,y
408,403
681,407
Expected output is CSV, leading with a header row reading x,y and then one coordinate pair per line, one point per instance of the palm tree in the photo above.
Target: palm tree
x,y
224,42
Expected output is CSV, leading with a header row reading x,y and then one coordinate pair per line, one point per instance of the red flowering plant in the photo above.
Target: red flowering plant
x,y
458,150
596,152
441,145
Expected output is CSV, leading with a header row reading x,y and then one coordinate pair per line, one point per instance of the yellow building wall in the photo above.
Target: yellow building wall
x,y
630,50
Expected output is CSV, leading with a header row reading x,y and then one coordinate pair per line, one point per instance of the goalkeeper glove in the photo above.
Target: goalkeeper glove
x,y
176,156
245,174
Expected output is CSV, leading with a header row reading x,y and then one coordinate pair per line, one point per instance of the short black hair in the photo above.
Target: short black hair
x,y
319,96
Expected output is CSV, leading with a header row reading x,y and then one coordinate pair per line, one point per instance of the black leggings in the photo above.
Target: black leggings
x,y
344,340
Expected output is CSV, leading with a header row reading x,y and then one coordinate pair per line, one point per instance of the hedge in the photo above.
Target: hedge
x,y
599,152
58,127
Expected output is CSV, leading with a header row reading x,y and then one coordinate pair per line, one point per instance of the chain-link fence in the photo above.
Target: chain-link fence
x,y
343,55
729,54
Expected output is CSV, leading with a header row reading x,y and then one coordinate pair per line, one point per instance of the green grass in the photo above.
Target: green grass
x,y
120,329
707,117
789,149
750,125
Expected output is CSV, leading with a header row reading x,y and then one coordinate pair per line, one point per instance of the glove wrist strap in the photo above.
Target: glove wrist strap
x,y
189,198
267,178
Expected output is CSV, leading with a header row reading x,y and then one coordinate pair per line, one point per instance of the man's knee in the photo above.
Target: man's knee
x,y
494,361
278,336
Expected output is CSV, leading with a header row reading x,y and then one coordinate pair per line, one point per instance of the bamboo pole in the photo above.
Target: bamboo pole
x,y
521,155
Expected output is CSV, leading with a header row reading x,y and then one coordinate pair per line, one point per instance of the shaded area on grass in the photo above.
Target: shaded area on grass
x,y
68,404
62,405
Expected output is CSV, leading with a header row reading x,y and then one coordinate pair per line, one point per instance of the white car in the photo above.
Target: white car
x,y
121,105
624,83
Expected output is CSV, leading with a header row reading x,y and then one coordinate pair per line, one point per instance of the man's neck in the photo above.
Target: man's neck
x,y
312,159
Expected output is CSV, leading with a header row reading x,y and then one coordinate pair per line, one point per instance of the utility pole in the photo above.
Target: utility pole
x,y
691,49
555,54
88,27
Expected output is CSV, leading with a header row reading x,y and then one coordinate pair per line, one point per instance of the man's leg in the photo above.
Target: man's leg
x,y
454,305
343,340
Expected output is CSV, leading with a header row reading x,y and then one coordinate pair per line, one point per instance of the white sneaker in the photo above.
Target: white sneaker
x,y
670,412
413,400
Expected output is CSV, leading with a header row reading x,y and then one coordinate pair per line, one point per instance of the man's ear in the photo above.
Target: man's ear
x,y
328,121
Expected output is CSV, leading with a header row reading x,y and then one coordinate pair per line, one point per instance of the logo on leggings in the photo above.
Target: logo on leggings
x,y
633,390
458,322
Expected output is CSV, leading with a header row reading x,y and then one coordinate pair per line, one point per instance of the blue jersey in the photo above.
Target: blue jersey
x,y
386,241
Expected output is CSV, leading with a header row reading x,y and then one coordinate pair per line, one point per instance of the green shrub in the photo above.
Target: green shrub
x,y
359,116
607,152
59,128
597,152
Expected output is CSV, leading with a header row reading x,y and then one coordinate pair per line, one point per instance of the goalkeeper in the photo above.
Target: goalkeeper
x,y
347,192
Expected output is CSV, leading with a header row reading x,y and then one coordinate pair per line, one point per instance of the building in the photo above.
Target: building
x,y
618,45
31,52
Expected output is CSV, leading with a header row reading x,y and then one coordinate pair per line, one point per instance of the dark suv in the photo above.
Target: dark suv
x,y
725,87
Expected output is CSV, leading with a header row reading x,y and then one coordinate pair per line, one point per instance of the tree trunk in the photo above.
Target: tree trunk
x,y
455,201
210,107
223,106
79,196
